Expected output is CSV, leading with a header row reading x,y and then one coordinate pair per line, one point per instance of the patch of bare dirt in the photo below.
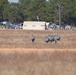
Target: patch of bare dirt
x,y
35,50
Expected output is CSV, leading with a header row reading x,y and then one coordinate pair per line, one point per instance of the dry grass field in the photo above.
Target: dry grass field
x,y
21,39
38,63
19,56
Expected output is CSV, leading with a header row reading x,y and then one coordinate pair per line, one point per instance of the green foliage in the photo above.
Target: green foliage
x,y
3,4
46,10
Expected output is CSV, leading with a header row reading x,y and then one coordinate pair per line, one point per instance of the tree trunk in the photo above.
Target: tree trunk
x,y
60,16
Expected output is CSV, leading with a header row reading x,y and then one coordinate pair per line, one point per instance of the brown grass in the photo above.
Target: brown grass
x,y
21,39
18,56
38,63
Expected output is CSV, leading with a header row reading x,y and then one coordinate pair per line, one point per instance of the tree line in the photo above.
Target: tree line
x,y
58,11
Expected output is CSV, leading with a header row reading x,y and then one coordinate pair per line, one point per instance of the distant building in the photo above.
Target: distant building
x,y
34,25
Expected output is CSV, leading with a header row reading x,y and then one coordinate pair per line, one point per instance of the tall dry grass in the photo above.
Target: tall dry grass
x,y
49,63
21,39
